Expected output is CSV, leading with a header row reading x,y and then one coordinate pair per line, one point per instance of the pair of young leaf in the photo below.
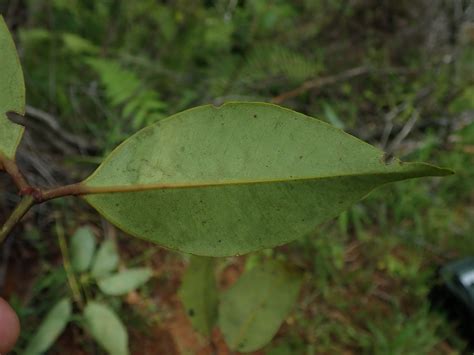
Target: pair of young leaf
x,y
221,181
99,320
103,264
250,312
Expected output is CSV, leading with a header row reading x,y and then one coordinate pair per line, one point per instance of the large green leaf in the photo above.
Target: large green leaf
x,y
124,281
82,249
253,309
219,181
50,329
198,292
12,93
106,328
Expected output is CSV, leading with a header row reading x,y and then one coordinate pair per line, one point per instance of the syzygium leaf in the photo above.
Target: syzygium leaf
x,y
12,93
82,247
106,328
219,181
198,292
252,310
106,260
50,328
125,281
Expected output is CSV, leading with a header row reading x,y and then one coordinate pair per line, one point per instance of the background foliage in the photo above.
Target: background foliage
x,y
398,74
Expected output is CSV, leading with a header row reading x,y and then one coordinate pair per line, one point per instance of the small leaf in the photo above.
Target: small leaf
x,y
77,44
253,308
106,328
50,329
82,249
124,281
198,293
12,93
332,116
242,177
106,260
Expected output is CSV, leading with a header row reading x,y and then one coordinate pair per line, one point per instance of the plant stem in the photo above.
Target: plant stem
x,y
20,210
73,284
63,191
12,169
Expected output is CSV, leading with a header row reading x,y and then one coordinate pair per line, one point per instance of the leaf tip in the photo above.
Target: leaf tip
x,y
420,169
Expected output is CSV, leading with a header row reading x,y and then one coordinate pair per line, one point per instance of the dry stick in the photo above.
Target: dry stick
x,y
389,117
318,82
328,80
392,114
403,133
53,124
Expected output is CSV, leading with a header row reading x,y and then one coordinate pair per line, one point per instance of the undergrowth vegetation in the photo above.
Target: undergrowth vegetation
x,y
398,74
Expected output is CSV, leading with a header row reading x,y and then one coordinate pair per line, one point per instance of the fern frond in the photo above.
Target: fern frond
x,y
274,61
124,90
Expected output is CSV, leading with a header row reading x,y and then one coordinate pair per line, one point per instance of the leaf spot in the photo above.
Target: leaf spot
x,y
387,158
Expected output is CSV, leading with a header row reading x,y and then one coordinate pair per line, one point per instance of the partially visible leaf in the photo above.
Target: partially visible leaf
x,y
290,347
254,307
78,44
242,177
124,281
198,293
50,329
106,328
106,260
12,93
332,117
33,35
82,249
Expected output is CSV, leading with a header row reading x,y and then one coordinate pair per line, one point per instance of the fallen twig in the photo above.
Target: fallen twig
x,y
405,131
52,122
332,79
319,82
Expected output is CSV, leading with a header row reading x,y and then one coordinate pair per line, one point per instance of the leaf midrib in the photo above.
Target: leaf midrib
x,y
88,189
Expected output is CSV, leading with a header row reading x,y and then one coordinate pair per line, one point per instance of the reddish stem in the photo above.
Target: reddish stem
x,y
12,169
62,191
